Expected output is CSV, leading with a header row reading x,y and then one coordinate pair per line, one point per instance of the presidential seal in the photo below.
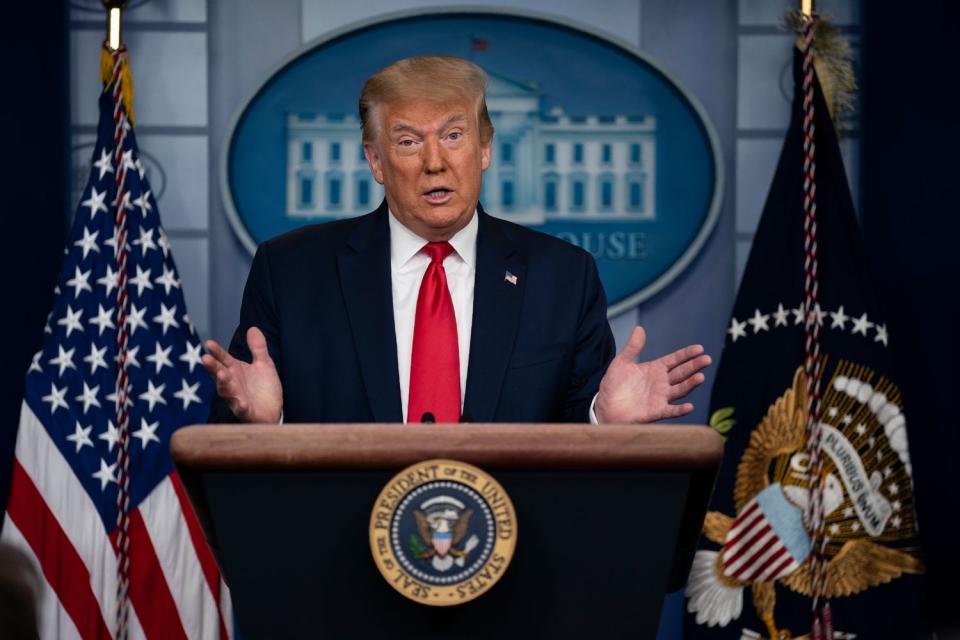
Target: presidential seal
x,y
442,532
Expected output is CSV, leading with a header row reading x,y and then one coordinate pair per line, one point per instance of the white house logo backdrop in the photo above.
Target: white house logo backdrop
x,y
593,143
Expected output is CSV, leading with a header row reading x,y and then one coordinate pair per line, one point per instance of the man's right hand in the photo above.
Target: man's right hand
x,y
253,391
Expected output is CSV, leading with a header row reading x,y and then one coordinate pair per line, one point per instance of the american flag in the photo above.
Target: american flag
x,y
63,504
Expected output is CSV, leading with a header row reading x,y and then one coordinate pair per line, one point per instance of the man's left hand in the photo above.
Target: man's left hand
x,y
632,392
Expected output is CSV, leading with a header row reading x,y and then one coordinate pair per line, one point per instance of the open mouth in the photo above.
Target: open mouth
x,y
441,194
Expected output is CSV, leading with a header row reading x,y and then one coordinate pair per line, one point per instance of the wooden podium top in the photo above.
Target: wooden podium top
x,y
491,446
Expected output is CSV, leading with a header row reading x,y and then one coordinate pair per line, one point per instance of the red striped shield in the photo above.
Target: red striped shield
x,y
752,550
441,542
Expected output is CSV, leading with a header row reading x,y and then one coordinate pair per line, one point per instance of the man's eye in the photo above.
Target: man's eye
x,y
406,143
455,135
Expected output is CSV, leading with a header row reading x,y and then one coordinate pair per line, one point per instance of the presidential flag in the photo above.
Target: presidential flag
x,y
754,574
94,497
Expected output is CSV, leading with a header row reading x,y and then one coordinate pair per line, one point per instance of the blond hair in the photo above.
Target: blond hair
x,y
440,79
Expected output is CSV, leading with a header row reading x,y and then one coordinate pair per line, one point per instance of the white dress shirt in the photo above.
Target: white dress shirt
x,y
407,266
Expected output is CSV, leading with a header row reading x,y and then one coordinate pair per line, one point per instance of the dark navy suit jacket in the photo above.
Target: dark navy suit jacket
x,y
322,296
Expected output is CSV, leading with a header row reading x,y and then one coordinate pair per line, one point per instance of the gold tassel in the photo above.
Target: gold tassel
x,y
833,62
126,79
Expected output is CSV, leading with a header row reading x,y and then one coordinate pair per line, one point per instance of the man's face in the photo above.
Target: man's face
x,y
430,161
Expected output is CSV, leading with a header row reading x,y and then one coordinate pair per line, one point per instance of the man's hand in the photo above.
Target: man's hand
x,y
642,392
252,391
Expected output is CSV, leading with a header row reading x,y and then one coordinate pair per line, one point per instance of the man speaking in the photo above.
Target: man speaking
x,y
429,309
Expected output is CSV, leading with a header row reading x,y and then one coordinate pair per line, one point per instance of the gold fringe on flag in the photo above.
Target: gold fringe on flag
x,y
833,61
126,78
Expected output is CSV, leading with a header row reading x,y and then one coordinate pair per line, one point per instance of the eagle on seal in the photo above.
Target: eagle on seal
x,y
767,541
440,536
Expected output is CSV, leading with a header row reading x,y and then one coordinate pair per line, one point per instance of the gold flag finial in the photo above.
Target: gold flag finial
x,y
114,13
807,7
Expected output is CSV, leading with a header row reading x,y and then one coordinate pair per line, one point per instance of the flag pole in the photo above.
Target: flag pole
x,y
808,7
114,14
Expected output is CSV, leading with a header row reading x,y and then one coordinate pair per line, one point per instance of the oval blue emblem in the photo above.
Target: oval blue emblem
x,y
593,142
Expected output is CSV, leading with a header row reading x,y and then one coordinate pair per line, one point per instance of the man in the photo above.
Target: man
x,y
428,309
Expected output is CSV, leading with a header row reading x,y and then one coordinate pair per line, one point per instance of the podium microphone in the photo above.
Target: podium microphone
x,y
427,418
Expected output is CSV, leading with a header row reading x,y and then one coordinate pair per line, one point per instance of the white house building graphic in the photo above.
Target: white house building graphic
x,y
544,167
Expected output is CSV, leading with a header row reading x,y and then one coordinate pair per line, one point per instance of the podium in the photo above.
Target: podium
x,y
608,518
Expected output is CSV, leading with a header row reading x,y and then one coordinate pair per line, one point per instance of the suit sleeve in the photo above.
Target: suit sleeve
x,y
256,310
595,347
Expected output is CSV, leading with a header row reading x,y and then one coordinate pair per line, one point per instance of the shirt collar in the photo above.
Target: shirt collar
x,y
405,244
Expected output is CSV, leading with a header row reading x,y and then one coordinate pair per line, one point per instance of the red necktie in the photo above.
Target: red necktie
x,y
435,360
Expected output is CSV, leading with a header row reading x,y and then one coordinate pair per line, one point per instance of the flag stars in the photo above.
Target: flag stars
x,y
166,317
167,280
895,505
111,435
142,280
855,526
56,398
153,395
131,357
160,357
123,201
893,488
815,315
112,242
834,529
96,202
887,471
146,433
188,393
881,334
81,437
780,316
96,359
104,320
114,398
838,319
848,512
106,474
163,242
109,280
759,321
861,325
88,397
896,521
145,241
798,314
127,162
144,203
879,455
64,359
847,419
832,412
104,165
35,363
737,329
79,282
192,355
71,321
135,318
88,242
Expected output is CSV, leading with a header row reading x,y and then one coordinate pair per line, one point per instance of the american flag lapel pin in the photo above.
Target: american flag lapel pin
x,y
509,277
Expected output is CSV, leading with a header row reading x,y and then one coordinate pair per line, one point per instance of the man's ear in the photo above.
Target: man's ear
x,y
373,160
485,154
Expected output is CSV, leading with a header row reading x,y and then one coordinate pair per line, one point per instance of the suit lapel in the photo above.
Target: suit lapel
x,y
364,270
496,316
